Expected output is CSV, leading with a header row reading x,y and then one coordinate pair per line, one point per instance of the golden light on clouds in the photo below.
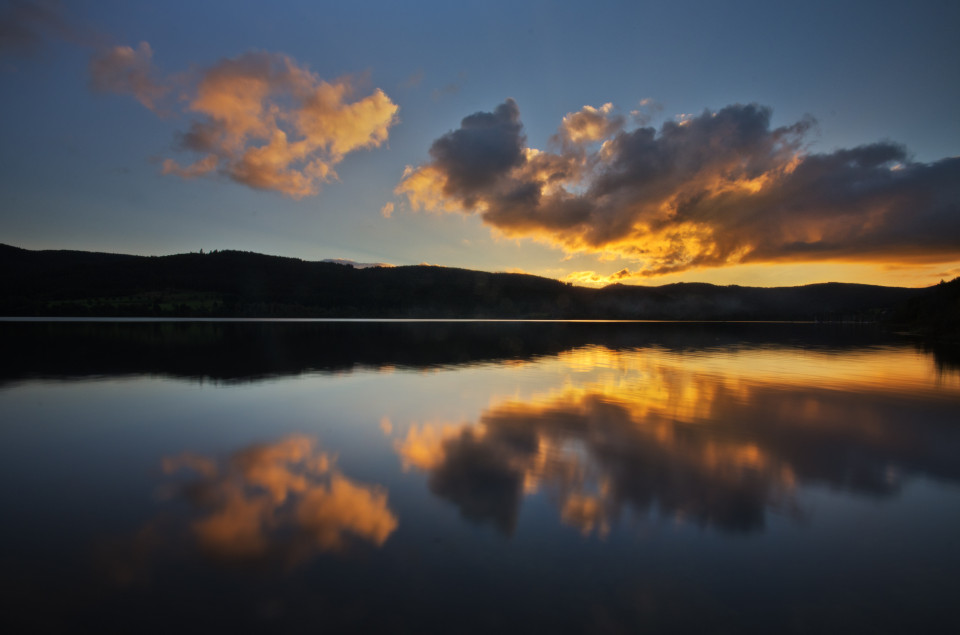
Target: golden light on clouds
x,y
594,279
772,274
589,124
713,190
284,500
422,447
423,188
261,118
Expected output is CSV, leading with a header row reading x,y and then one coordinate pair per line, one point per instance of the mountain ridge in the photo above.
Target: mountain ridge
x,y
230,283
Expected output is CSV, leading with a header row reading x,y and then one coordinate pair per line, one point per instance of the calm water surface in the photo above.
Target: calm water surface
x,y
477,477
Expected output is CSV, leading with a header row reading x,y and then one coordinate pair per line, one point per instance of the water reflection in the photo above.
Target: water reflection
x,y
578,478
718,440
274,505
237,351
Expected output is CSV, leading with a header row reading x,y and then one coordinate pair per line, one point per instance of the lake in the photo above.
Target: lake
x,y
477,477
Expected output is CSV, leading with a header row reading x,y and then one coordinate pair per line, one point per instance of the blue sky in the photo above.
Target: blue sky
x,y
82,168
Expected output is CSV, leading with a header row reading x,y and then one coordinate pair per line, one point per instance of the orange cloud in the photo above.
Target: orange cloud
x,y
283,500
328,513
710,190
202,465
423,188
594,279
262,119
423,445
205,165
587,513
589,125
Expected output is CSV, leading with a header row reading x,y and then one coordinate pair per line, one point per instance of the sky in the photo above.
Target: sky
x,y
751,143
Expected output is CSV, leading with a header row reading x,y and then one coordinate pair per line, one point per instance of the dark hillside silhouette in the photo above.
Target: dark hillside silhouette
x,y
934,312
243,284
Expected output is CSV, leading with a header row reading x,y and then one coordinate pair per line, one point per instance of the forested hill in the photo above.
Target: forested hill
x,y
935,312
243,284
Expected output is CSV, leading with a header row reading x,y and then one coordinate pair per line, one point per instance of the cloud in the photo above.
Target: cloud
x,y
24,25
483,475
449,89
387,210
267,507
202,465
595,453
125,70
27,27
594,279
283,501
203,166
485,146
645,111
708,190
414,80
423,445
261,119
589,125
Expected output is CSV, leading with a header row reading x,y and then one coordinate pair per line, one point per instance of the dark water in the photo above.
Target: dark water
x,y
444,477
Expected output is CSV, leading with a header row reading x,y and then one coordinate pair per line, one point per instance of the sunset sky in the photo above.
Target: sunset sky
x,y
752,143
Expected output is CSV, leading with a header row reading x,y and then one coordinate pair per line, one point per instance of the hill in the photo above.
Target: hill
x,y
243,284
935,312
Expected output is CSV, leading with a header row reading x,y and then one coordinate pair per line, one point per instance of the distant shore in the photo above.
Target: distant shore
x,y
244,285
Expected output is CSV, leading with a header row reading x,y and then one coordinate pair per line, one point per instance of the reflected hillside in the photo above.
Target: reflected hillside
x,y
248,351
717,440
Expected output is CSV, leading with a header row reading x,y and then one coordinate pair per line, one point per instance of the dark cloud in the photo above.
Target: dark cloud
x,y
25,24
479,476
484,148
709,190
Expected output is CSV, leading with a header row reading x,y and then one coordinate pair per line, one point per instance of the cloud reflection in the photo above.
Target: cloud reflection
x,y
270,505
695,439
283,499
